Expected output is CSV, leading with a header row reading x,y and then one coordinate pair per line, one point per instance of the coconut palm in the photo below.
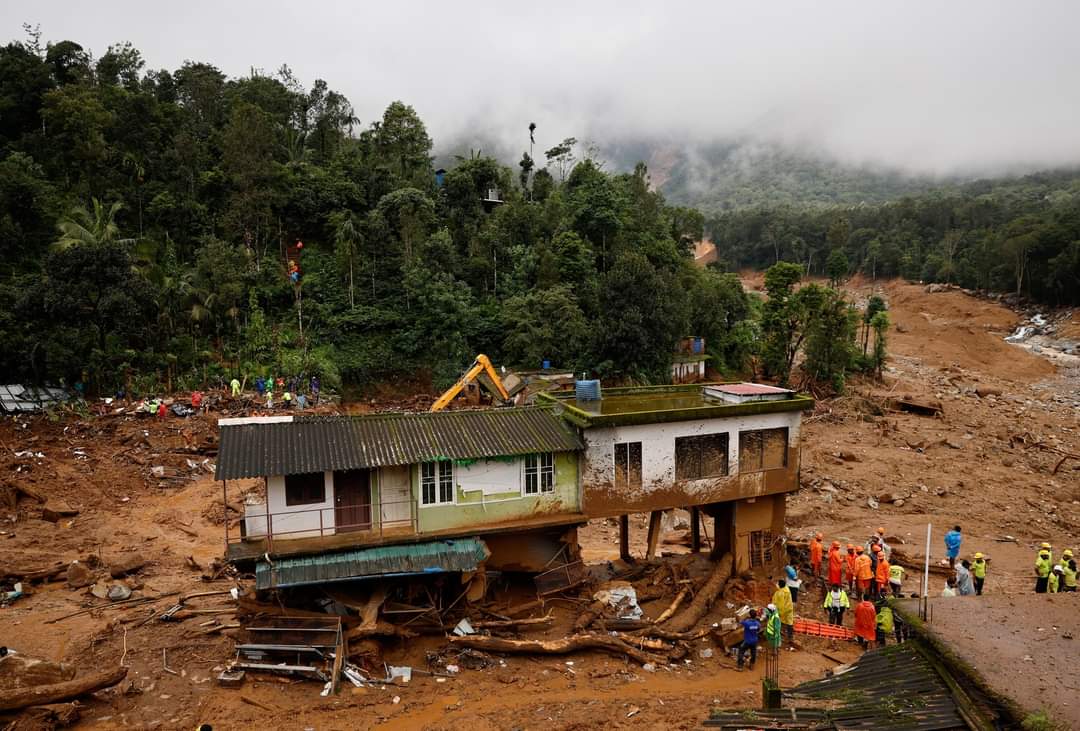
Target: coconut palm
x,y
86,226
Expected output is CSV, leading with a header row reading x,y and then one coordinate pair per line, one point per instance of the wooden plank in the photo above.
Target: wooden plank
x,y
695,529
624,537
655,517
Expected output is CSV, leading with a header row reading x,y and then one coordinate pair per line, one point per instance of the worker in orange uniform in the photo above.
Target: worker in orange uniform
x,y
836,564
864,573
817,548
865,621
882,576
851,567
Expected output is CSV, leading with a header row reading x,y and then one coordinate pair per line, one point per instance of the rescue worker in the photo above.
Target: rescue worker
x,y
836,602
896,578
772,627
864,574
952,545
865,622
884,624
785,607
882,575
978,572
751,629
1068,572
235,385
1048,548
851,566
886,549
260,385
816,550
836,564
1042,571
286,400
1053,583
950,587
872,549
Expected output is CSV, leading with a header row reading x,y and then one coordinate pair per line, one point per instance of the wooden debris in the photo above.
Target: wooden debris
x,y
49,716
259,704
712,588
674,605
921,408
562,646
25,671
510,623
12,700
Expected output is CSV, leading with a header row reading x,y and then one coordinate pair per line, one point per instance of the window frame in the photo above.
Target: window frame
x,y
309,481
441,478
541,472
762,436
760,548
724,437
628,449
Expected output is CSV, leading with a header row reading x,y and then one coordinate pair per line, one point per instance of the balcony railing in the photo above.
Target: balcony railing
x,y
322,522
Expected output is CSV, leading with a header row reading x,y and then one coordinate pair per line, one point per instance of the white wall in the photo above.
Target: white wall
x,y
285,519
658,444
490,476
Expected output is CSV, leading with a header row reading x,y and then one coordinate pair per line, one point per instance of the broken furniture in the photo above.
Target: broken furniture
x,y
306,646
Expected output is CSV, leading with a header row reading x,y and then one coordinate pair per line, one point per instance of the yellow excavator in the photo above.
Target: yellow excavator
x,y
481,365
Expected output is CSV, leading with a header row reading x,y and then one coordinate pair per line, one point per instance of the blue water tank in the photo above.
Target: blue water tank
x,y
546,365
587,390
699,345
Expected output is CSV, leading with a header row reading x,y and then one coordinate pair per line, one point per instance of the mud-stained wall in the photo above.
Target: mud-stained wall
x,y
659,489
759,514
478,504
298,521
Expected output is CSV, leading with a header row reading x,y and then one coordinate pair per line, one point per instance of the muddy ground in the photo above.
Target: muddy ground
x,y
985,464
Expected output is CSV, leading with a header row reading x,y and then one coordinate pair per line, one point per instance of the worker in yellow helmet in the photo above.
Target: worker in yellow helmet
x,y
1048,548
978,572
1042,571
1068,571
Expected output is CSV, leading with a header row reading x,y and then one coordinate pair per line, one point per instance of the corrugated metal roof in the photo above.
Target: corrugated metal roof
x,y
15,398
747,389
420,558
317,444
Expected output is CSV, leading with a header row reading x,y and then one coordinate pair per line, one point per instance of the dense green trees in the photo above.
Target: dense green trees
x,y
149,219
1015,235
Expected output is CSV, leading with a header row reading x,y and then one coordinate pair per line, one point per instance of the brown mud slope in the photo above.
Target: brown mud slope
x,y
1023,647
955,329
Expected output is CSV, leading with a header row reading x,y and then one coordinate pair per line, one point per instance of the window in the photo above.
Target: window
x,y
539,473
761,544
436,483
306,489
628,464
699,457
763,449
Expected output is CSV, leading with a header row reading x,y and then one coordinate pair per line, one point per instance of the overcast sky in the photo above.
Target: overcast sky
x,y
934,87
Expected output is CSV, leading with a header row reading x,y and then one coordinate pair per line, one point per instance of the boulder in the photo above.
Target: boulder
x,y
121,567
54,510
984,391
79,576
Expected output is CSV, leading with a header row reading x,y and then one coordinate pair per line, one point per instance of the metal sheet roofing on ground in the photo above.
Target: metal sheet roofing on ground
x,y
463,554
326,443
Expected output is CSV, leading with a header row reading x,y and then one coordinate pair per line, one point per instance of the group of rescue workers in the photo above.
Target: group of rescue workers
x,y
1053,577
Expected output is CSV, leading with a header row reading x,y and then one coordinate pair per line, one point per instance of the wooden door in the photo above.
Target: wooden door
x,y
395,491
352,500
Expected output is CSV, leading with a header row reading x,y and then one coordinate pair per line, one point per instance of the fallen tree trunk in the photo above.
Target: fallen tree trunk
x,y
664,634
509,623
14,573
13,700
705,596
564,646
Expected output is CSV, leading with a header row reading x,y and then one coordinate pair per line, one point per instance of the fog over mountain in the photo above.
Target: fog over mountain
x,y
967,88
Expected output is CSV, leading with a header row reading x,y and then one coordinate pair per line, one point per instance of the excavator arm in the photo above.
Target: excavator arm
x,y
481,365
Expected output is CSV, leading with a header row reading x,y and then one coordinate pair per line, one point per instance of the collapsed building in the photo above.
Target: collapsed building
x,y
352,497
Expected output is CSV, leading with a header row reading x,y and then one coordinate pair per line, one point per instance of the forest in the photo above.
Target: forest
x,y
169,229
1018,235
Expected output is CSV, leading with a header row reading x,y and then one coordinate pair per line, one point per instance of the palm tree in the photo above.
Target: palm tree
x,y
346,241
83,226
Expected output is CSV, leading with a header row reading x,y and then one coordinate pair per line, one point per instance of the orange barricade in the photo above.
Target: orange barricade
x,y
821,629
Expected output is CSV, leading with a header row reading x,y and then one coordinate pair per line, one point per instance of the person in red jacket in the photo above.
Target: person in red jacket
x,y
849,564
836,564
865,622
817,548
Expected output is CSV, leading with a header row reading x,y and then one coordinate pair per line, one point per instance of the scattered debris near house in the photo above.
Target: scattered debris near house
x,y
19,399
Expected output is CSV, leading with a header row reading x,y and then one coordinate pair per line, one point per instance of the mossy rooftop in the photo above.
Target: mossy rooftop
x,y
652,404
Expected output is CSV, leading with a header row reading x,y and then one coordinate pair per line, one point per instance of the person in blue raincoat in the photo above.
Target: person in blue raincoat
x,y
952,545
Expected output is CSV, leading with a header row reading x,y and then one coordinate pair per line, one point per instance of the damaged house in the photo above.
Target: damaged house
x,y
349,497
